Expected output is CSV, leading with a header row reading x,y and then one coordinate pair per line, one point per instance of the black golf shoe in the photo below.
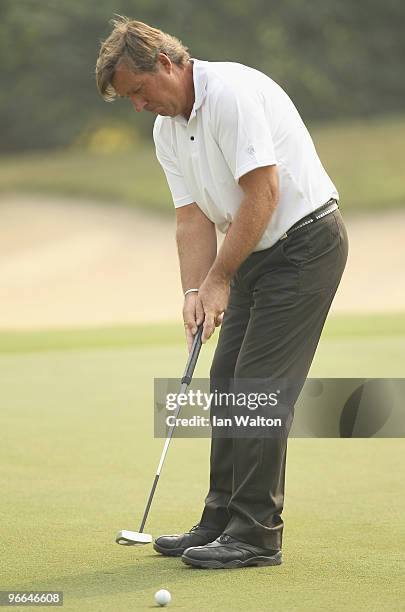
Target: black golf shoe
x,y
226,552
175,545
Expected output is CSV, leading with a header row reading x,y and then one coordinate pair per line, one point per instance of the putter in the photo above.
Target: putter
x,y
133,538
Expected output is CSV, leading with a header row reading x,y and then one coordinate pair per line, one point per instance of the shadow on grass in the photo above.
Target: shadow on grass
x,y
146,572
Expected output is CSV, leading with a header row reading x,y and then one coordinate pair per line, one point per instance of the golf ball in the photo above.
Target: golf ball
x,y
163,597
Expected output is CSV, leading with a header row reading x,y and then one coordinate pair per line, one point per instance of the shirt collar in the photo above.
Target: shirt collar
x,y
200,88
200,82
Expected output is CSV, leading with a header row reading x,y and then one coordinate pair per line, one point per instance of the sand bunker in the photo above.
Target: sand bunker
x,y
65,263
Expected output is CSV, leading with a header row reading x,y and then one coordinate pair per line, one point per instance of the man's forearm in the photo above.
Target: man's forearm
x,y
243,235
197,249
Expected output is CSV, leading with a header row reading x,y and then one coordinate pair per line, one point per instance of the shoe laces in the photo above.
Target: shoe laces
x,y
195,527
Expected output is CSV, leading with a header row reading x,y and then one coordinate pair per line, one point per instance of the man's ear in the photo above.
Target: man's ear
x,y
165,62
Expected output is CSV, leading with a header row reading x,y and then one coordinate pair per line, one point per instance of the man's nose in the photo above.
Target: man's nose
x,y
138,103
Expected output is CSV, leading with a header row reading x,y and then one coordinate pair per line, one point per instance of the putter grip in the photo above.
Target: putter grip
x,y
192,360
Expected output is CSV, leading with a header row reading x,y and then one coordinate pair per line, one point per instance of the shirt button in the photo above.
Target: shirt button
x,y
191,137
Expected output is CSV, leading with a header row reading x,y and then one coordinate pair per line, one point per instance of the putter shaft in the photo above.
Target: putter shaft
x,y
185,381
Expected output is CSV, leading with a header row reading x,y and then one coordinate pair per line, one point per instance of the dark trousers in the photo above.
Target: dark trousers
x,y
279,300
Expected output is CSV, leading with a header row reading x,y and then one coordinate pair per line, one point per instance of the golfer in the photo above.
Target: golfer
x,y
238,159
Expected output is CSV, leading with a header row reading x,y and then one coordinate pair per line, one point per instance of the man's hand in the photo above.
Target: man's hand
x,y
213,293
193,315
212,301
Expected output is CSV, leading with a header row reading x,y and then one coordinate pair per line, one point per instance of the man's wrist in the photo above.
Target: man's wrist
x,y
218,273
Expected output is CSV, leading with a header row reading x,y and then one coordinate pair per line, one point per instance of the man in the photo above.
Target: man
x,y
237,157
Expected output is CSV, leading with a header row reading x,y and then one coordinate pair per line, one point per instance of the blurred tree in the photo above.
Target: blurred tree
x,y
335,59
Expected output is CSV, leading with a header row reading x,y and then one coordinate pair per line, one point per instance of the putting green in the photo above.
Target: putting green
x,y
77,459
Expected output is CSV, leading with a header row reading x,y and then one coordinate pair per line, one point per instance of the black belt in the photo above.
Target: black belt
x,y
324,210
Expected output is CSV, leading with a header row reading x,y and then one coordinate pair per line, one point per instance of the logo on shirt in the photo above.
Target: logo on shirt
x,y
251,150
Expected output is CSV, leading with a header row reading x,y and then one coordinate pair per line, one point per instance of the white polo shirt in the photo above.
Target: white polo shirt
x,y
241,120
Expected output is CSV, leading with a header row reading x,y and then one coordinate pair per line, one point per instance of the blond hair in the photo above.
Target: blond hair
x,y
137,45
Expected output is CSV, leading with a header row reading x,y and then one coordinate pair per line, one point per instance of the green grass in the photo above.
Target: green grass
x,y
364,158
133,177
337,327
83,338
77,457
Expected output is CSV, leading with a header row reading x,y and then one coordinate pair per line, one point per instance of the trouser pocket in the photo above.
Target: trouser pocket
x,y
319,252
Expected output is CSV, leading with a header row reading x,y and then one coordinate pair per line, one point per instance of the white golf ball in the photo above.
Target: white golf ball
x,y
163,597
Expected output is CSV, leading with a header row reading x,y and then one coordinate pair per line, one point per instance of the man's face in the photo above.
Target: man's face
x,y
157,92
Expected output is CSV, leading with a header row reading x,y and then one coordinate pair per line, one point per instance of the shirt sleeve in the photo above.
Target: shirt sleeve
x,y
168,160
242,131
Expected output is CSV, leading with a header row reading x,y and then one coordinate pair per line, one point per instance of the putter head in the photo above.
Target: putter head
x,y
132,538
